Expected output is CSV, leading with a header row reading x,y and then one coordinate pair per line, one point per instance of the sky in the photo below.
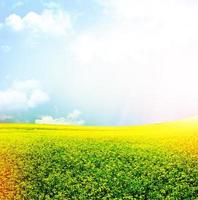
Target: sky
x,y
98,62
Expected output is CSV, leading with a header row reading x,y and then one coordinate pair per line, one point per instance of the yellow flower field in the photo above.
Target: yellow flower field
x,y
77,162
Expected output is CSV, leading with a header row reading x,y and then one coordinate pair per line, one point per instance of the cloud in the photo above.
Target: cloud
x,y
5,117
130,9
138,28
53,22
143,58
71,119
15,22
22,95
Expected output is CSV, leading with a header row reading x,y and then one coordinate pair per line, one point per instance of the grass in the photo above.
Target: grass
x,y
67,162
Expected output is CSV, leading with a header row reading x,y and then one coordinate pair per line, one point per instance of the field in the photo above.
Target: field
x,y
75,162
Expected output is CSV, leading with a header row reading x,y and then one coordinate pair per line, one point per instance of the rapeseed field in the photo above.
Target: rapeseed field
x,y
157,161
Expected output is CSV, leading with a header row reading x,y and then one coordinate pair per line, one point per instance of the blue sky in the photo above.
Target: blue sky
x,y
98,62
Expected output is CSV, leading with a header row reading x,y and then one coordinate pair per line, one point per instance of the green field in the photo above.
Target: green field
x,y
73,162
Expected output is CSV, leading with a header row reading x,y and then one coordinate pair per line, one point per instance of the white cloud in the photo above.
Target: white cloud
x,y
52,22
71,119
74,115
129,9
5,117
36,98
26,85
22,95
144,59
15,22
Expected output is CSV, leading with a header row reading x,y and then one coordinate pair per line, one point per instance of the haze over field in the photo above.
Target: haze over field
x,y
101,62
